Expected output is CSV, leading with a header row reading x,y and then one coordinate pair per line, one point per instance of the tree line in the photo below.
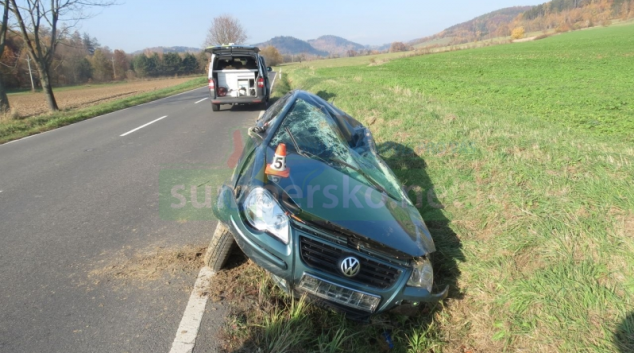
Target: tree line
x,y
80,59
39,48
566,15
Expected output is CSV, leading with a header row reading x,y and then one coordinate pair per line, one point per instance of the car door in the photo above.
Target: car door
x,y
267,82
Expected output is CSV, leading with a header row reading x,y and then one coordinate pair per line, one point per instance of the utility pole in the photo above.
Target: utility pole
x,y
28,62
114,72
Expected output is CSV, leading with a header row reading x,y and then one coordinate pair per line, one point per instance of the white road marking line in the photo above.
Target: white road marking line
x,y
273,83
190,323
99,116
142,126
204,99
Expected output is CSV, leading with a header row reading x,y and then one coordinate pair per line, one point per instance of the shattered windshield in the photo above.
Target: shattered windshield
x,y
329,135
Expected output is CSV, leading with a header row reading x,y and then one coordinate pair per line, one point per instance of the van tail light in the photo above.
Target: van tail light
x,y
260,82
212,85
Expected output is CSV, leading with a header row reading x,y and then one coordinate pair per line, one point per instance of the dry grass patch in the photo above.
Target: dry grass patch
x,y
30,104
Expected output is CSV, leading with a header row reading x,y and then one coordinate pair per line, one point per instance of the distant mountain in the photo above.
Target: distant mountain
x,y
493,24
383,47
176,49
335,45
292,45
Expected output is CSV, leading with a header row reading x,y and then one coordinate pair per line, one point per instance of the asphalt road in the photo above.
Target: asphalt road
x,y
78,205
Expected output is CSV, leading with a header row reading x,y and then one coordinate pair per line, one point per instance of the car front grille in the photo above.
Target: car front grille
x,y
325,257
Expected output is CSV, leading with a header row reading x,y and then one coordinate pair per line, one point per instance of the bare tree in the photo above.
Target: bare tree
x,y
224,30
42,26
4,100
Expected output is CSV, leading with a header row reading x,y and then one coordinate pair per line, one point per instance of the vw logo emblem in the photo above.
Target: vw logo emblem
x,y
350,266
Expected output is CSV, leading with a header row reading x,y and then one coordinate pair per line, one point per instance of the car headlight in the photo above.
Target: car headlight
x,y
265,214
422,274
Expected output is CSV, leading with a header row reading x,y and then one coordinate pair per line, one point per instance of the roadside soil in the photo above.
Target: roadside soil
x,y
28,104
154,263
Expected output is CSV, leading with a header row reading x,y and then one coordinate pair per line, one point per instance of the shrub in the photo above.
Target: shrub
x,y
517,33
398,46
272,56
564,27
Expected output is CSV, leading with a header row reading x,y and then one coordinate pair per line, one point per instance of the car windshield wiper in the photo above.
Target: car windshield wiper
x,y
339,161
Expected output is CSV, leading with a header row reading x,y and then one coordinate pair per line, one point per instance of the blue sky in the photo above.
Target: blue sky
x,y
139,24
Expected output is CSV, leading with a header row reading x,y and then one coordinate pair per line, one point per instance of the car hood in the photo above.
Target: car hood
x,y
325,194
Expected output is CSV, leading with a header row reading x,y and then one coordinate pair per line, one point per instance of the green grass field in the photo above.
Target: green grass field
x,y
536,235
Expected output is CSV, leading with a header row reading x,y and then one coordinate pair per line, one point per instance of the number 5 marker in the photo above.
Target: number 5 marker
x,y
278,167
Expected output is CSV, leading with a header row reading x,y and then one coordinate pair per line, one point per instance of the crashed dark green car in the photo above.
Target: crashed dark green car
x,y
336,224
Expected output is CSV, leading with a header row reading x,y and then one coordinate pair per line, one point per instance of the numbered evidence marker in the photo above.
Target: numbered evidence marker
x,y
278,167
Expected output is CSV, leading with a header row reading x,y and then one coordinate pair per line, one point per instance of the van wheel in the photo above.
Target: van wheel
x,y
219,248
215,107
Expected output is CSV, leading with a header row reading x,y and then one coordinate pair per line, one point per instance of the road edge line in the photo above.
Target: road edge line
x,y
187,331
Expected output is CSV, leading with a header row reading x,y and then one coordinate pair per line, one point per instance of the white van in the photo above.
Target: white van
x,y
238,75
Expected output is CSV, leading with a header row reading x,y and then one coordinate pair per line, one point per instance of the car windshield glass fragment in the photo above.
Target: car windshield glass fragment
x,y
318,136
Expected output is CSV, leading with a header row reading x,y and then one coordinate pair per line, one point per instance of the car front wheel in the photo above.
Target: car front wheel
x,y
219,248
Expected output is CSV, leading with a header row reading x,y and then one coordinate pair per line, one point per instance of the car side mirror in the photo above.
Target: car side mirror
x,y
269,69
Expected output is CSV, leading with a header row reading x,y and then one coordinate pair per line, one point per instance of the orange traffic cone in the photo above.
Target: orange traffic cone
x,y
278,167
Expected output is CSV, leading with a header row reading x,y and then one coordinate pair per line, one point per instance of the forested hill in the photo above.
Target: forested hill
x,y
492,24
292,45
556,15
564,15
559,6
335,45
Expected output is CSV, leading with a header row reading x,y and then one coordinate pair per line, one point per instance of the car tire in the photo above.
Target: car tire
x,y
219,248
215,107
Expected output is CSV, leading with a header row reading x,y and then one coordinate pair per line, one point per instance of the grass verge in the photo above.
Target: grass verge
x,y
537,231
15,129
262,318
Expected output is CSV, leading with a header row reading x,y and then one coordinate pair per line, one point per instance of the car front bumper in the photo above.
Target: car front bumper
x,y
288,267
